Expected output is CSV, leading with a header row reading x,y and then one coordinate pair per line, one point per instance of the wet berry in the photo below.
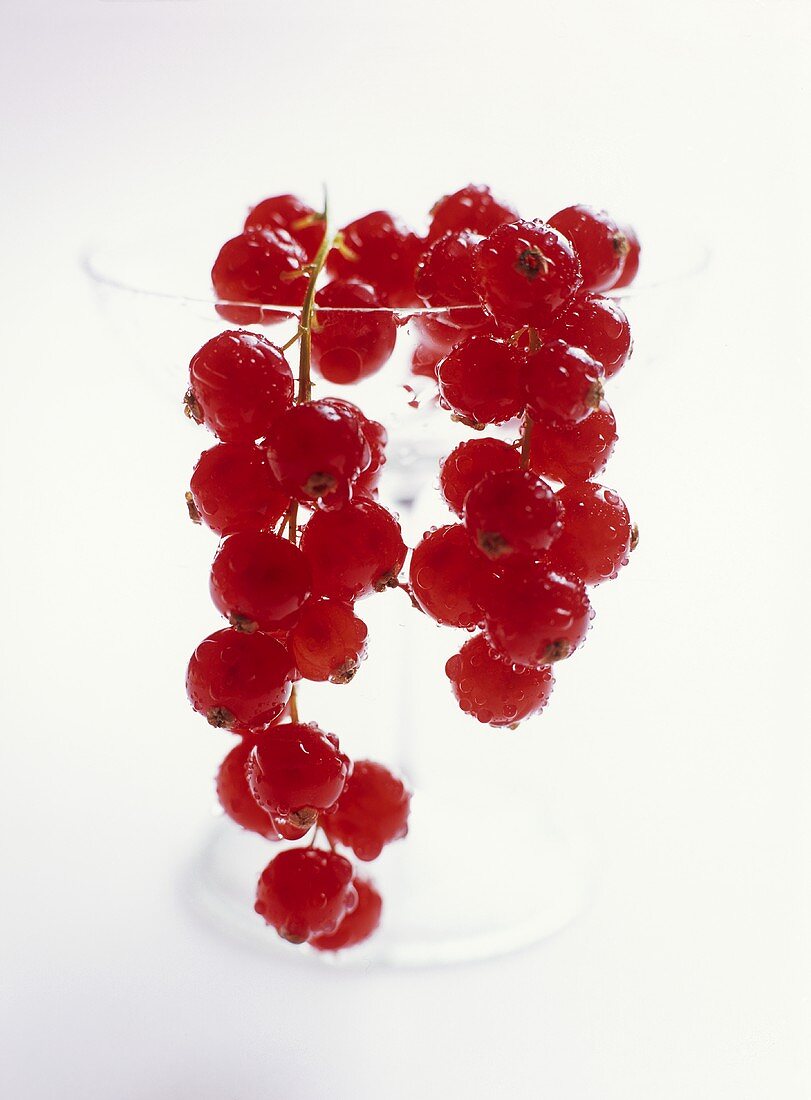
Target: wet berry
x,y
356,926
424,361
600,244
534,617
446,277
467,464
512,512
353,551
352,345
631,267
598,326
232,489
235,796
562,382
290,213
447,575
527,271
305,892
493,690
573,452
371,812
472,208
596,538
260,581
381,250
480,380
328,642
239,383
239,681
297,770
259,266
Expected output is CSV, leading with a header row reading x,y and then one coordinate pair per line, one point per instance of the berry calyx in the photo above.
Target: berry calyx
x,y
447,576
235,796
372,811
296,771
598,326
512,512
348,346
381,250
480,380
601,245
260,581
288,212
357,926
597,534
562,382
573,452
259,266
632,258
232,489
328,642
472,208
494,691
305,892
239,681
467,464
353,551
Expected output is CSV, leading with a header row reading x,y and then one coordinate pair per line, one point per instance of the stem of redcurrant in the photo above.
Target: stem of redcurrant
x,y
526,440
293,705
305,324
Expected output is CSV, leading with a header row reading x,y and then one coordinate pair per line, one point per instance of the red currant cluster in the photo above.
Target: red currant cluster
x,y
518,331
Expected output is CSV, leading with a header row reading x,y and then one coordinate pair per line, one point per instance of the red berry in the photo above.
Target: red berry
x,y
493,690
353,551
480,380
235,795
472,208
232,489
316,450
573,452
424,361
305,892
377,437
379,249
629,271
263,267
599,327
446,277
290,213
328,642
447,575
240,681
467,464
239,383
348,346
596,538
533,616
259,581
356,926
599,242
371,812
562,382
527,271
297,770
512,512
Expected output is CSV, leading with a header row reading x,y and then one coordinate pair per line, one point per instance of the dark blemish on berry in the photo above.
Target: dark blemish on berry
x,y
319,484
532,263
220,718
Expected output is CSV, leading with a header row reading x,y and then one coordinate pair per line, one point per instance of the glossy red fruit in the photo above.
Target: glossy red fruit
x,y
305,892
424,361
473,208
239,383
512,512
534,617
352,345
596,538
527,271
353,551
562,382
446,277
328,642
291,214
259,266
480,380
377,437
356,926
381,250
235,796
600,244
316,450
232,489
598,326
297,770
447,576
467,464
573,452
371,812
631,268
239,681
260,581
493,690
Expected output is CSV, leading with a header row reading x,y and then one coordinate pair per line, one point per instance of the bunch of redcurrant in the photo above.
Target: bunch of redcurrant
x,y
519,336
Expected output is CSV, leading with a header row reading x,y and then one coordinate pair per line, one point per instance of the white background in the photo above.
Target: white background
x,y
683,765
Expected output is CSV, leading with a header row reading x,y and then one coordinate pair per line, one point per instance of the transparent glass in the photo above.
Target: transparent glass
x,y
484,869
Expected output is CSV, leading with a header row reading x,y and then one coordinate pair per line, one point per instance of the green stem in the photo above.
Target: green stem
x,y
305,325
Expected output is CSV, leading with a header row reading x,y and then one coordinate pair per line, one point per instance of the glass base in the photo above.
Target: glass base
x,y
450,896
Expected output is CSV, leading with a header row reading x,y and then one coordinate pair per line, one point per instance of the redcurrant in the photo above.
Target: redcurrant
x,y
260,581
599,327
356,926
328,642
512,512
378,249
235,796
371,812
447,575
562,382
467,464
493,690
353,551
290,213
239,681
600,244
232,489
480,380
631,268
357,339
573,452
473,208
446,277
305,892
596,538
297,770
260,266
